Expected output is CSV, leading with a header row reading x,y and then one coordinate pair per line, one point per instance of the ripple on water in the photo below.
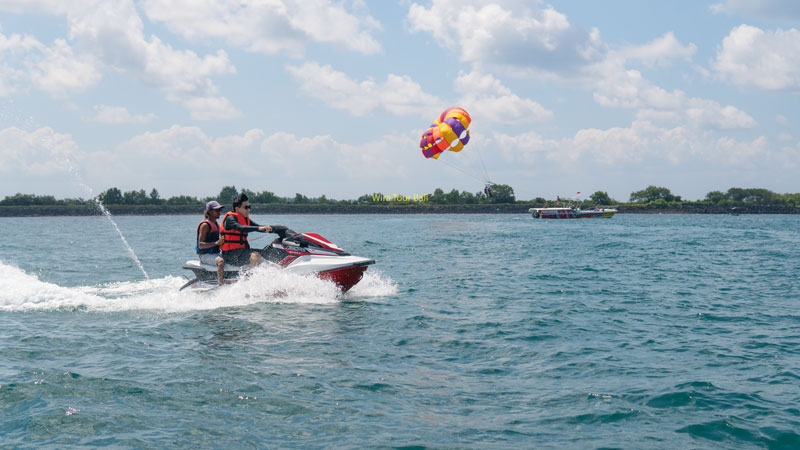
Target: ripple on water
x,y
470,332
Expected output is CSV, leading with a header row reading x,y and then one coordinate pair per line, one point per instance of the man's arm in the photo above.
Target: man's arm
x,y
232,224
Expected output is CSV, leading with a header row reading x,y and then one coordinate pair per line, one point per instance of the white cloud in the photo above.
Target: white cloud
x,y
269,26
782,120
11,77
525,39
60,72
282,162
365,162
110,33
661,51
659,115
776,9
42,152
119,115
711,114
509,35
617,86
170,160
750,56
56,70
398,95
211,108
114,34
495,102
643,146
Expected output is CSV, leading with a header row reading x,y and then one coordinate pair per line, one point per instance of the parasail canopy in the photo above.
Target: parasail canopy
x,y
449,132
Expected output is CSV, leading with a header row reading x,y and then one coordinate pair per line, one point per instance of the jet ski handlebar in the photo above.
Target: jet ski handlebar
x,y
282,231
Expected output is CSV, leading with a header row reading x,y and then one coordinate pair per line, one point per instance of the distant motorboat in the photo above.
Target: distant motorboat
x,y
571,212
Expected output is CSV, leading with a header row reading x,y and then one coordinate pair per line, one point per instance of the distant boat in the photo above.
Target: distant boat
x,y
571,212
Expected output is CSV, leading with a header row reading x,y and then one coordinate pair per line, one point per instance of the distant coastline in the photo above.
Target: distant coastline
x,y
147,210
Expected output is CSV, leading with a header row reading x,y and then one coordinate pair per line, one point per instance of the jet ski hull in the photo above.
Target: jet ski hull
x,y
344,277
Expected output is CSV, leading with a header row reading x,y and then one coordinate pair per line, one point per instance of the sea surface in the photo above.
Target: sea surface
x,y
470,331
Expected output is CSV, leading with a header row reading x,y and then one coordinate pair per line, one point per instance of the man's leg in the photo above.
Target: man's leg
x,y
255,259
220,270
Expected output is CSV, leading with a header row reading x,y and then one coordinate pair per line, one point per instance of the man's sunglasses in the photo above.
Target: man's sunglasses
x,y
247,207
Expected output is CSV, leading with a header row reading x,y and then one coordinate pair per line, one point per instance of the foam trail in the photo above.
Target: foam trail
x,y
373,284
20,291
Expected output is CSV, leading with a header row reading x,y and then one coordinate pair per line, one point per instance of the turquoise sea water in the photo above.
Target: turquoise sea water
x,y
477,331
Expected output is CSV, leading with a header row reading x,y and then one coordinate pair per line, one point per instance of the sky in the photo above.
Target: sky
x,y
331,96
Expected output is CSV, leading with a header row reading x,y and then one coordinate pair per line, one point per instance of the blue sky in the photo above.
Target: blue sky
x,y
331,97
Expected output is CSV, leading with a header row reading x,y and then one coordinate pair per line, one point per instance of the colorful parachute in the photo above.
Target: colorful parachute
x,y
449,132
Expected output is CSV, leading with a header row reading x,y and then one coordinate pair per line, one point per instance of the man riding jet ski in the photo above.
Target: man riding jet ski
x,y
300,253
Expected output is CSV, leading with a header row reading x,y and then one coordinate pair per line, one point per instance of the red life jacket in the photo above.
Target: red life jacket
x,y
234,239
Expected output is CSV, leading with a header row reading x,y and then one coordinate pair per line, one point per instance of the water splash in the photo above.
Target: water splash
x,y
121,236
8,110
22,291
107,215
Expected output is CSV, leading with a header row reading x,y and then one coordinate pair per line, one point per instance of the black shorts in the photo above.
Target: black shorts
x,y
240,256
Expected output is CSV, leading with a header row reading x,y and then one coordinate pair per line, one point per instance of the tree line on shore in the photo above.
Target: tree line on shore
x,y
497,194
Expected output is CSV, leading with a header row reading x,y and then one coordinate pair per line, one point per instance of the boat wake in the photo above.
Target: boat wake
x,y
21,291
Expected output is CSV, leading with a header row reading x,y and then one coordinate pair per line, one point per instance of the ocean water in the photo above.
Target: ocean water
x,y
473,331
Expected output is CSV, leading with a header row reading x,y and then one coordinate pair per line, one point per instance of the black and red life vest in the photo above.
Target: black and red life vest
x,y
234,239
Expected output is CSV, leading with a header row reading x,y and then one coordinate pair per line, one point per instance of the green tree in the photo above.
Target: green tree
x,y
791,199
112,196
227,194
183,200
267,197
369,199
438,196
300,199
600,198
737,195
716,197
155,197
762,197
653,193
452,197
502,193
756,196
134,197
29,200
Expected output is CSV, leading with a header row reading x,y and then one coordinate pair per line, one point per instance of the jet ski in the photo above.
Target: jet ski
x,y
300,253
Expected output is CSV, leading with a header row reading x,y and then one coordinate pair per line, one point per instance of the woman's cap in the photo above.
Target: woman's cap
x,y
213,205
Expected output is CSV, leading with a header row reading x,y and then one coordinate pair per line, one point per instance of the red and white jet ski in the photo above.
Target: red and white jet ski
x,y
300,253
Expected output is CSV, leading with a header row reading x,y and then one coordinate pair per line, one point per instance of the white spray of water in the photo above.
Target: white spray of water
x,y
8,110
107,215
20,291
121,236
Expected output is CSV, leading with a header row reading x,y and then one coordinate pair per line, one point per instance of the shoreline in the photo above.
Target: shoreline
x,y
154,210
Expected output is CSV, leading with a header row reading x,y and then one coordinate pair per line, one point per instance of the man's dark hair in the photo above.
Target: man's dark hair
x,y
238,200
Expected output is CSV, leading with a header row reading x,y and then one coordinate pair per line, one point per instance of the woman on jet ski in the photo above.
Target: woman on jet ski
x,y
236,225
209,240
